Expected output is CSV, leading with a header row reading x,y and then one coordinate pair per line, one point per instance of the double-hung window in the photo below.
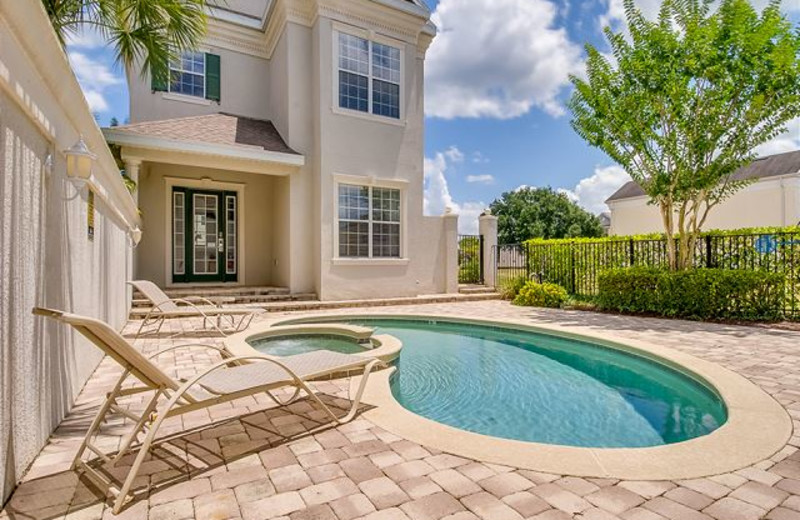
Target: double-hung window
x,y
369,222
369,76
188,74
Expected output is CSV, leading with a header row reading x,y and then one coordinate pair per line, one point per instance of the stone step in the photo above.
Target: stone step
x,y
239,299
223,290
312,305
475,289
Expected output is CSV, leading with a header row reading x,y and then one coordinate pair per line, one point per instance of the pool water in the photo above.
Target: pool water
x,y
537,387
302,343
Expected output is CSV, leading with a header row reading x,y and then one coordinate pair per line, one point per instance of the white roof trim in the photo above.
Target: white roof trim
x,y
406,7
197,147
237,18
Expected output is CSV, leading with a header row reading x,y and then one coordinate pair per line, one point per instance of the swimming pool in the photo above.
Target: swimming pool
x,y
530,386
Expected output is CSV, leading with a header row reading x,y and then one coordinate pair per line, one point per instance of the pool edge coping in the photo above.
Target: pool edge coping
x,y
757,426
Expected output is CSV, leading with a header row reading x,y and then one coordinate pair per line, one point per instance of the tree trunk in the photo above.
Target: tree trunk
x,y
667,217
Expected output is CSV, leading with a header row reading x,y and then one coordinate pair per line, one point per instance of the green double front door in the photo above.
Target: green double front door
x,y
204,236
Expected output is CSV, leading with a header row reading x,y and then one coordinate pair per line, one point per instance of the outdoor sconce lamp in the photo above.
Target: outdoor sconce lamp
x,y
136,236
79,162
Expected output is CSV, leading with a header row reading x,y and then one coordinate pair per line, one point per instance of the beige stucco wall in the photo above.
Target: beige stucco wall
x,y
243,78
46,257
295,89
258,220
770,202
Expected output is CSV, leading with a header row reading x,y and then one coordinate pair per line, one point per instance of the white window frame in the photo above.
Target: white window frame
x,y
370,182
182,71
371,37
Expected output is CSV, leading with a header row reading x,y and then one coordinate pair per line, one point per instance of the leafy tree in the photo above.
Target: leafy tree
x,y
113,122
541,213
151,31
686,99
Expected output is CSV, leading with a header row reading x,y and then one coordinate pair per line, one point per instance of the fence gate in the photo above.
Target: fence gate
x,y
470,259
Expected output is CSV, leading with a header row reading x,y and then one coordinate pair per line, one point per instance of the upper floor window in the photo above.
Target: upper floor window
x,y
188,74
369,76
195,74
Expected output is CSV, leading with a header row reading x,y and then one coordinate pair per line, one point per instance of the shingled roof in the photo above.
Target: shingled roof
x,y
218,129
770,166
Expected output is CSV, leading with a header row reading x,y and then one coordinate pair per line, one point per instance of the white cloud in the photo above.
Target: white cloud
x,y
453,154
482,179
591,193
86,38
438,198
94,77
479,158
498,59
789,141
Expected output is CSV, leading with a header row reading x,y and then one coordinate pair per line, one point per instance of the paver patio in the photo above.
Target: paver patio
x,y
262,465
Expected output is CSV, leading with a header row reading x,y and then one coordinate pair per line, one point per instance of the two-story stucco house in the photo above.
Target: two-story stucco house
x,y
288,151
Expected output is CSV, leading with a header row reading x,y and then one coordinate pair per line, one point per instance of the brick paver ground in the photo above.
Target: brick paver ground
x,y
259,463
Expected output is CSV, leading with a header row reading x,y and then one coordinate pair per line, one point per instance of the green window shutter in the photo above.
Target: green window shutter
x,y
212,77
158,85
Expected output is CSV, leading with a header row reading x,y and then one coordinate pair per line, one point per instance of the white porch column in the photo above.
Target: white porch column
x,y
487,227
132,167
450,235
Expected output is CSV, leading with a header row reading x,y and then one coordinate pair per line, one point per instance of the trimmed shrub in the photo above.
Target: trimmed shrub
x,y
510,287
698,294
535,294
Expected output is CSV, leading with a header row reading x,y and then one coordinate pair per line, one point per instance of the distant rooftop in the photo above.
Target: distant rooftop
x,y
770,166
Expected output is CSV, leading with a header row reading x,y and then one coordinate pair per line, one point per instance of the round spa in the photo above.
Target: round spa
x,y
289,340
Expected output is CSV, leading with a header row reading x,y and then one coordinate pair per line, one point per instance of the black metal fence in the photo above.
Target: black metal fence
x,y
470,259
576,265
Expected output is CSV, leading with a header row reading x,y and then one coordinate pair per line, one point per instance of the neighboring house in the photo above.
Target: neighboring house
x,y
773,199
288,151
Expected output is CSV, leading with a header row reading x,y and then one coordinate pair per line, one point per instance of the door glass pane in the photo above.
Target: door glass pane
x,y
205,234
230,234
178,230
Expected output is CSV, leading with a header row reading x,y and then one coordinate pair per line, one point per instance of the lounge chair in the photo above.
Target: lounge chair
x,y
164,307
229,379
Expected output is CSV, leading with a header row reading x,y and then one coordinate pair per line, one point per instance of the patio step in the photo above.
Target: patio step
x,y
287,305
475,289
241,295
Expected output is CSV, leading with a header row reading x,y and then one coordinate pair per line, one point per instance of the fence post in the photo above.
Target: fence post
x,y
450,233
487,227
572,267
631,255
709,264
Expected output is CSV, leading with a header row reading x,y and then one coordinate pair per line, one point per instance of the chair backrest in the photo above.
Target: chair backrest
x,y
113,344
156,296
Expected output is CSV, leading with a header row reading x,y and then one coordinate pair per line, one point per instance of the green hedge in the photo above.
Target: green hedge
x,y
699,294
534,294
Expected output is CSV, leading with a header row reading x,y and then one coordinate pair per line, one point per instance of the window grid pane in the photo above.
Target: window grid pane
x,y
369,222
369,76
188,74
230,223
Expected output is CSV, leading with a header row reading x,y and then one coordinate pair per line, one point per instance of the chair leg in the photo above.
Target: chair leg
x,y
111,398
137,429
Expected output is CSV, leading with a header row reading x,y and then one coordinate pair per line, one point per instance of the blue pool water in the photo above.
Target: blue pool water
x,y
538,387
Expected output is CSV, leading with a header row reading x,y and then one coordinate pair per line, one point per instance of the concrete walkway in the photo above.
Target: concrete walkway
x,y
260,465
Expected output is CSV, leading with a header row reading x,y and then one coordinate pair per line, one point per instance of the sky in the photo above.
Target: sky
x,y
496,83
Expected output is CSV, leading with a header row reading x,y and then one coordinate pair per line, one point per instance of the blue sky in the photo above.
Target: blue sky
x,y
496,83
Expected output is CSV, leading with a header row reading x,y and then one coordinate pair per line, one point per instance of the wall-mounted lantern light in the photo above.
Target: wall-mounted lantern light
x,y
80,162
136,236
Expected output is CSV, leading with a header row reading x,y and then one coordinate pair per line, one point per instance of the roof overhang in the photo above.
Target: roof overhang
x,y
210,155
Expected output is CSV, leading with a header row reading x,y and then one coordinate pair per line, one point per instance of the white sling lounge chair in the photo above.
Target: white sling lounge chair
x,y
231,378
164,307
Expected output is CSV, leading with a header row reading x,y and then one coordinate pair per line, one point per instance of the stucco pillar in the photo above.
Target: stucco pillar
x,y
450,222
132,167
487,227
